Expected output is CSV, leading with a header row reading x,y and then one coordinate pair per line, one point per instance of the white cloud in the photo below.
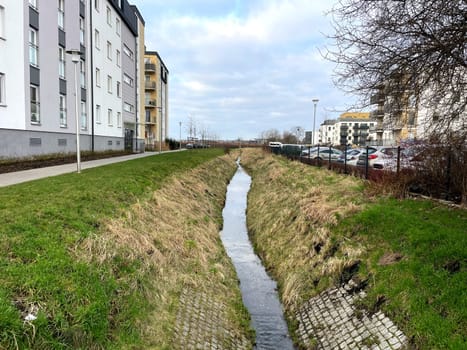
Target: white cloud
x,y
243,66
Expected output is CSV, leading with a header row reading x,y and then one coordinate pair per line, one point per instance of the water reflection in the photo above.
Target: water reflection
x,y
258,289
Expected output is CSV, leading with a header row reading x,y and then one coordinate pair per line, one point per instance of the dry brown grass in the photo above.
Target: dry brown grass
x,y
291,211
174,237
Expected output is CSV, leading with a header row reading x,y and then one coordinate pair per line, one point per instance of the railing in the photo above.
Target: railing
x,y
432,170
150,103
150,85
150,67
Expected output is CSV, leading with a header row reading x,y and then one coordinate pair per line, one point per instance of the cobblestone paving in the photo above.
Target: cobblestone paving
x,y
331,321
202,324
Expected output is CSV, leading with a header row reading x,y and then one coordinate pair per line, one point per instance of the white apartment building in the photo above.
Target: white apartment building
x,y
349,129
37,76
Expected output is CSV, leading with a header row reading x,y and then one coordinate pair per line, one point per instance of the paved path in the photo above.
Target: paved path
x,y
8,179
331,320
202,324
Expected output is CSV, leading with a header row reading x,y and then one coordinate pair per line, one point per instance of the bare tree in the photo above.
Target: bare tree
x,y
401,46
271,135
289,137
299,133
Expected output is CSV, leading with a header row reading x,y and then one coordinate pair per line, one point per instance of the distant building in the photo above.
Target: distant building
x,y
156,100
351,128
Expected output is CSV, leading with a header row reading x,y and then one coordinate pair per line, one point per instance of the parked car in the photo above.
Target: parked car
x,y
362,158
307,151
323,153
387,159
351,155
291,149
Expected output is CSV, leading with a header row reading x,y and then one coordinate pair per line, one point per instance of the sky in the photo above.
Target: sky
x,y
240,67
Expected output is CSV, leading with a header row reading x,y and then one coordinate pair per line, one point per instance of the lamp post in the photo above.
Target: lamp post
x,y
76,58
180,137
315,102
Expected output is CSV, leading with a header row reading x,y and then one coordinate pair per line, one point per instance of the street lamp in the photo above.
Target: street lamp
x,y
76,58
180,138
315,102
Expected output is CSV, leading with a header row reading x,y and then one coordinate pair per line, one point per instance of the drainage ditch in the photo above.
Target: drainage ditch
x,y
259,291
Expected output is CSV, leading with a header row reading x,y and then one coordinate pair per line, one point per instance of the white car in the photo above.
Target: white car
x,y
324,153
351,156
382,157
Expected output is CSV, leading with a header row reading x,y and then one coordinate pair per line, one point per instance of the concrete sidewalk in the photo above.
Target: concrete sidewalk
x,y
39,173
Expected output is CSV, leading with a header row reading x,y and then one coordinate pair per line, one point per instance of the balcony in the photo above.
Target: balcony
x,y
150,85
376,114
150,103
150,67
151,121
377,99
398,126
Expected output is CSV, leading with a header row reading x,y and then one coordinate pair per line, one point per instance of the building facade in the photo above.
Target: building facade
x,y
351,128
156,100
395,115
37,76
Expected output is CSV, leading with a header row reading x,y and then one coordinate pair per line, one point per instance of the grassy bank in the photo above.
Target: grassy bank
x,y
314,229
99,258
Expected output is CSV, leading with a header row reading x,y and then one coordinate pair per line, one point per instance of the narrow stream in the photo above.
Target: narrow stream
x,y
258,289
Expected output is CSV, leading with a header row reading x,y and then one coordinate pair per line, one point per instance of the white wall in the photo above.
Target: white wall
x,y
12,116
107,67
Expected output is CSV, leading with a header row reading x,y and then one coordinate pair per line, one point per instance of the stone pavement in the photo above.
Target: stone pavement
x,y
331,320
202,324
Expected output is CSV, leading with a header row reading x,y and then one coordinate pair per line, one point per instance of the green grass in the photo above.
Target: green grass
x,y
81,305
293,209
424,298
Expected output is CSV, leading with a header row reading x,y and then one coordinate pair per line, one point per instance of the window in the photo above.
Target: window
x,y
109,50
82,72
127,51
110,117
33,48
62,108
61,63
97,5
118,26
97,39
2,89
109,84
119,119
109,16
2,22
127,79
119,58
119,92
33,4
82,36
34,98
98,114
84,116
98,77
128,107
61,14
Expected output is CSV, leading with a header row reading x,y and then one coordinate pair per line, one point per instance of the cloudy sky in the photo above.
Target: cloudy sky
x,y
240,67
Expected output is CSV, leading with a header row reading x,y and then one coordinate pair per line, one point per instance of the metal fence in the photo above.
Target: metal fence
x,y
431,170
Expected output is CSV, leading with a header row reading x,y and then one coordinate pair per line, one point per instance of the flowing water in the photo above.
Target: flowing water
x,y
259,291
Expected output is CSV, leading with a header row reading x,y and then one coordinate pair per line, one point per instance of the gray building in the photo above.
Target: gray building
x,y
37,76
